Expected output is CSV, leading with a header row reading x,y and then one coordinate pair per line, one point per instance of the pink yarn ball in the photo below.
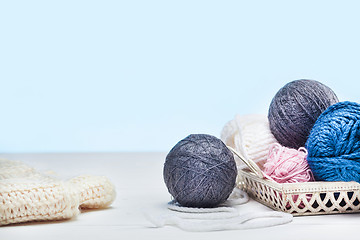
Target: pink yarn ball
x,y
287,165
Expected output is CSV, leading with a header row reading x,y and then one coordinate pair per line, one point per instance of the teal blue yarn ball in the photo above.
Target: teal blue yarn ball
x,y
334,144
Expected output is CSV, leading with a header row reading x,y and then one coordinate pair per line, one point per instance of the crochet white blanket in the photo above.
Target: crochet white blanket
x,y
27,195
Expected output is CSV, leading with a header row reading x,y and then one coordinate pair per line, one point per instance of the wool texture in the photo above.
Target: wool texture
x,y
200,171
287,165
249,135
27,195
334,144
295,108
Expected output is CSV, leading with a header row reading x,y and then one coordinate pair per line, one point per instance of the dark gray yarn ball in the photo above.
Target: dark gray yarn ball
x,y
200,171
295,108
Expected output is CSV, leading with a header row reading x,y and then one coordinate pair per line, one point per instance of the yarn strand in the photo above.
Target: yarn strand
x,y
224,217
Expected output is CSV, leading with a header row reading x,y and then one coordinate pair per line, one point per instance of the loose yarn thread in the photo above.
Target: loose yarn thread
x,y
334,144
223,217
286,165
200,171
295,108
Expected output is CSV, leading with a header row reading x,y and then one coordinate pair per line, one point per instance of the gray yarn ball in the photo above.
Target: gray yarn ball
x,y
200,171
295,108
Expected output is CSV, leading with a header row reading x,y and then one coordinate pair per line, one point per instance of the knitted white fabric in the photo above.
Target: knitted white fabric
x,y
250,135
27,195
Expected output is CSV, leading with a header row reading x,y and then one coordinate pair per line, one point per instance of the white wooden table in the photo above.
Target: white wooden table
x,y
140,187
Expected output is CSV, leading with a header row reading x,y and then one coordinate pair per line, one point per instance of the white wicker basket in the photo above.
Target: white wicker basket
x,y
310,198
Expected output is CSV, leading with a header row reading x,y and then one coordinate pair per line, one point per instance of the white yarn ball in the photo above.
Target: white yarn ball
x,y
250,135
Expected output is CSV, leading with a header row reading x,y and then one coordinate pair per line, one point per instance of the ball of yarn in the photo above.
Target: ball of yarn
x,y
295,108
200,171
334,144
250,135
287,165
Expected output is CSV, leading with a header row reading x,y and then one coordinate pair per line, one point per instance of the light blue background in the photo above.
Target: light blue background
x,y
140,75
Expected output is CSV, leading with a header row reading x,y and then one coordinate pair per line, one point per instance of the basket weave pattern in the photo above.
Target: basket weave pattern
x,y
310,198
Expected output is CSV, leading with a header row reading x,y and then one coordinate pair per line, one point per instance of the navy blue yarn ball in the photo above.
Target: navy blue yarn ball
x,y
200,171
334,144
